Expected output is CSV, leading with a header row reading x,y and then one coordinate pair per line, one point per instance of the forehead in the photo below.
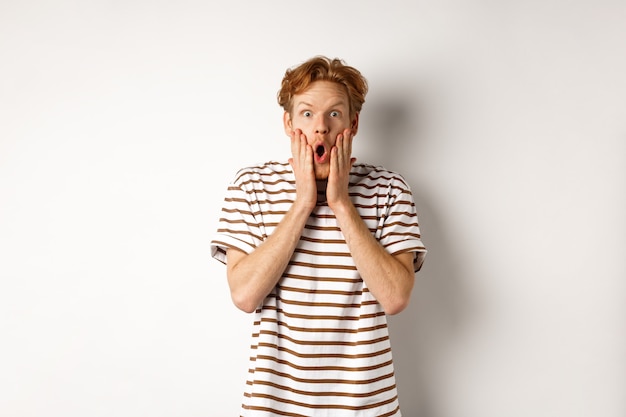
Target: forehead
x,y
322,93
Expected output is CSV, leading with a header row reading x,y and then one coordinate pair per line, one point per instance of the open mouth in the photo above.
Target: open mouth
x,y
320,151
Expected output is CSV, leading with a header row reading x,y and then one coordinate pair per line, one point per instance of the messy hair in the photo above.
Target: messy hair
x,y
321,68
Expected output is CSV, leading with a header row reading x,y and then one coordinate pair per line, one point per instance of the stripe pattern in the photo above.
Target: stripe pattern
x,y
320,342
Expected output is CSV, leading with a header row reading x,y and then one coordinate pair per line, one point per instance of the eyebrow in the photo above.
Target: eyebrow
x,y
336,104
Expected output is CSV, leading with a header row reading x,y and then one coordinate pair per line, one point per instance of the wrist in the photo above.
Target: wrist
x,y
342,207
302,207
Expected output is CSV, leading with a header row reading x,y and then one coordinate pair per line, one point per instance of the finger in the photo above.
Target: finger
x,y
302,151
305,154
347,142
343,149
335,153
298,146
308,158
334,158
295,144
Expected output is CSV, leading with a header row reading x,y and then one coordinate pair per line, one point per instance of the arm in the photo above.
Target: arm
x,y
390,278
251,277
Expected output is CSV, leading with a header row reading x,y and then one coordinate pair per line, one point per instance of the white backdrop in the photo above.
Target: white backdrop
x,y
121,123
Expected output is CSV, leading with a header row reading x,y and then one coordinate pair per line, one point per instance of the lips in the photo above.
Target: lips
x,y
320,153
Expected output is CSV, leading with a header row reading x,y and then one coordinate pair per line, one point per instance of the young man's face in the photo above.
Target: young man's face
x,y
321,112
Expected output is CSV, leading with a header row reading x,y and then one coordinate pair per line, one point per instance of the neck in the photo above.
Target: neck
x,y
321,191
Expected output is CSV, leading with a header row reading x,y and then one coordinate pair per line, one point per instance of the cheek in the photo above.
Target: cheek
x,y
304,125
341,122
298,123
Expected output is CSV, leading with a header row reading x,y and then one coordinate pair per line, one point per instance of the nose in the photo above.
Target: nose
x,y
321,125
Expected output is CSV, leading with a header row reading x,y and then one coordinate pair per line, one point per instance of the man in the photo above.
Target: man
x,y
321,249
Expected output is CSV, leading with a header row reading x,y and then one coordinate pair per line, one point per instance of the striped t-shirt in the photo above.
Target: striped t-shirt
x,y
320,342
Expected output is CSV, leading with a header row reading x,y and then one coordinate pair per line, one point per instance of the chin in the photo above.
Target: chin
x,y
321,174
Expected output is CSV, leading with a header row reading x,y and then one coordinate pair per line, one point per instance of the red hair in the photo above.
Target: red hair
x,y
321,68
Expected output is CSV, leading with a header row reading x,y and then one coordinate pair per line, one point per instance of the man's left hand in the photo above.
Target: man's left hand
x,y
341,162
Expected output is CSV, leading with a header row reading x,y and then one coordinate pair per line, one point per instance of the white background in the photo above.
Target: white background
x,y
121,123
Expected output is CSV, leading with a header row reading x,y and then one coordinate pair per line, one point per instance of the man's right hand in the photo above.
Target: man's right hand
x,y
302,164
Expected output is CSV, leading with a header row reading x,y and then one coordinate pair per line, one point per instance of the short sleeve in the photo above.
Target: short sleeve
x,y
400,229
238,226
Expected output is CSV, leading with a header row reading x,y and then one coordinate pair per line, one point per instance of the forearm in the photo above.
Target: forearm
x,y
251,277
389,278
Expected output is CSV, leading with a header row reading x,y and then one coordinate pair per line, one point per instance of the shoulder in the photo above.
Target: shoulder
x,y
376,176
268,172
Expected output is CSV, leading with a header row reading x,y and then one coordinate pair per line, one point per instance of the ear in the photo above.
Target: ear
x,y
287,124
354,126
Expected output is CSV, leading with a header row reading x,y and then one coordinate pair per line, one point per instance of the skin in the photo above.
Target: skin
x,y
320,119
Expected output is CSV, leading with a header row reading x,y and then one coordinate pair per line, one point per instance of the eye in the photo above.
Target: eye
x,y
335,114
307,113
